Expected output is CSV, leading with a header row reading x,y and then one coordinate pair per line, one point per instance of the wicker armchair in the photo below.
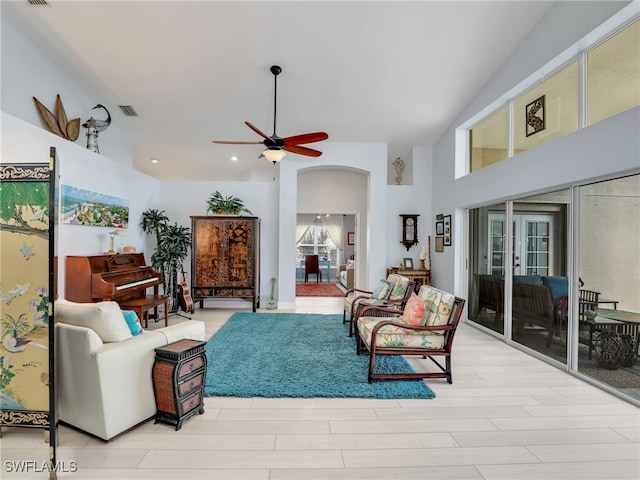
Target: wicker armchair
x,y
397,292
384,331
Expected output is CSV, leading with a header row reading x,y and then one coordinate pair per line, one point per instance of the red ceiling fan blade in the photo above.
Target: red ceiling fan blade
x,y
257,130
309,152
233,142
305,138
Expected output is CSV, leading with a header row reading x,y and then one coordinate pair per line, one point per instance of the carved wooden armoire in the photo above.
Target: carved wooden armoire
x,y
225,258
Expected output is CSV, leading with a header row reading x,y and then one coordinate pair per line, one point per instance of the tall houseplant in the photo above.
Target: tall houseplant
x,y
169,256
172,247
153,221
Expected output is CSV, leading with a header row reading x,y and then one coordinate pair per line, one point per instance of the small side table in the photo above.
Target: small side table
x,y
178,381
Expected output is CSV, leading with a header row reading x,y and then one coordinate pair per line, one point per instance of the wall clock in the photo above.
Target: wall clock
x,y
409,230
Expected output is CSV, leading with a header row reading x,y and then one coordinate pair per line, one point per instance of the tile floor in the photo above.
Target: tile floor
x,y
506,416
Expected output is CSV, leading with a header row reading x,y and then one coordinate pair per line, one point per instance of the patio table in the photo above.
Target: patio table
x,y
619,321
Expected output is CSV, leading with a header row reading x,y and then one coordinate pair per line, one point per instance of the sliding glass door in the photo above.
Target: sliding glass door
x,y
609,298
540,281
488,254
531,250
560,284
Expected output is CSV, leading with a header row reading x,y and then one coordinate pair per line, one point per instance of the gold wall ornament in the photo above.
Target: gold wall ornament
x,y
58,124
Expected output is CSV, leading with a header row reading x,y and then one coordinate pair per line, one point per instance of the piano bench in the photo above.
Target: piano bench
x,y
143,304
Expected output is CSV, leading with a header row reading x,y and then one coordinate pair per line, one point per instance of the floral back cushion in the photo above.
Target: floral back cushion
x,y
438,305
382,290
439,313
399,287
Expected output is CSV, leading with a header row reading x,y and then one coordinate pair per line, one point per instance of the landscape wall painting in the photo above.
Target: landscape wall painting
x,y
84,207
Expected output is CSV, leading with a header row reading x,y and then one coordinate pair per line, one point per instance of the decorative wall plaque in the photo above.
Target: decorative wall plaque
x,y
535,116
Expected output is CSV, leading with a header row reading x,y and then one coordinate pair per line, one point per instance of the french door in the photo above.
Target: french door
x,y
532,244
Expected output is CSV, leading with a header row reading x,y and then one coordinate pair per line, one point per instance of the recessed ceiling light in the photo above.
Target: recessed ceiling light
x,y
155,160
234,158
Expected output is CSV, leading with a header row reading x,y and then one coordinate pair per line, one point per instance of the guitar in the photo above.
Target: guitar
x,y
271,303
184,296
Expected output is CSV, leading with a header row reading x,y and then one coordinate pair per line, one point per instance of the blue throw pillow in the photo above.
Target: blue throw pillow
x,y
132,322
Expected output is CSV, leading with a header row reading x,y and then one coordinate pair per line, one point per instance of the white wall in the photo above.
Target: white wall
x,y
603,150
371,160
77,166
409,199
23,69
336,190
27,72
181,200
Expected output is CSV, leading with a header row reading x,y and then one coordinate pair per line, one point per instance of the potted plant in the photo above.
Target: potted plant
x,y
169,256
217,204
172,247
153,222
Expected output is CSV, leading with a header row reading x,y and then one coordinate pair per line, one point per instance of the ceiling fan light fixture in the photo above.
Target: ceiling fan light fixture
x,y
274,156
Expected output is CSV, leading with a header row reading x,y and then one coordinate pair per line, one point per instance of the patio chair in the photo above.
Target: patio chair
x,y
490,295
533,307
587,308
587,300
426,328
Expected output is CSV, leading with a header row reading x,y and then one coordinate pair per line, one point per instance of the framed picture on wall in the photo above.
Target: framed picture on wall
x,y
535,116
351,238
447,230
440,228
439,244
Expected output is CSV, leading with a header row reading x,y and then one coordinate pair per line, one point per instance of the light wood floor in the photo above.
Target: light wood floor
x,y
506,416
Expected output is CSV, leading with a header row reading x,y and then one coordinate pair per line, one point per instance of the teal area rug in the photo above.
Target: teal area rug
x,y
297,355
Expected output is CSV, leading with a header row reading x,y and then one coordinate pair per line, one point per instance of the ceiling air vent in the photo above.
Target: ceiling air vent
x,y
38,3
128,110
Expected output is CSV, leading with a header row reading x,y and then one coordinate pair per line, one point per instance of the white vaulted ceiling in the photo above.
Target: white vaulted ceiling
x,y
391,72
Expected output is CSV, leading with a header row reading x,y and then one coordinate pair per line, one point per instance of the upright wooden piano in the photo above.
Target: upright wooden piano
x,y
120,277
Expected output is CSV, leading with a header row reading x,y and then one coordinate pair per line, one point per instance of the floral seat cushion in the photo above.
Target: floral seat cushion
x,y
391,336
359,301
394,288
436,312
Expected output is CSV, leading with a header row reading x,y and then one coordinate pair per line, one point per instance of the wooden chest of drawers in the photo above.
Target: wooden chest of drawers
x,y
178,381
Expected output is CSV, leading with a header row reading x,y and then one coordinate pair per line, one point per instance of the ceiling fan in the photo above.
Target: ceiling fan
x,y
275,144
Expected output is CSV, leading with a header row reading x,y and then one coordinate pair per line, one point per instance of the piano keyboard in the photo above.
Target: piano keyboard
x,y
135,284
